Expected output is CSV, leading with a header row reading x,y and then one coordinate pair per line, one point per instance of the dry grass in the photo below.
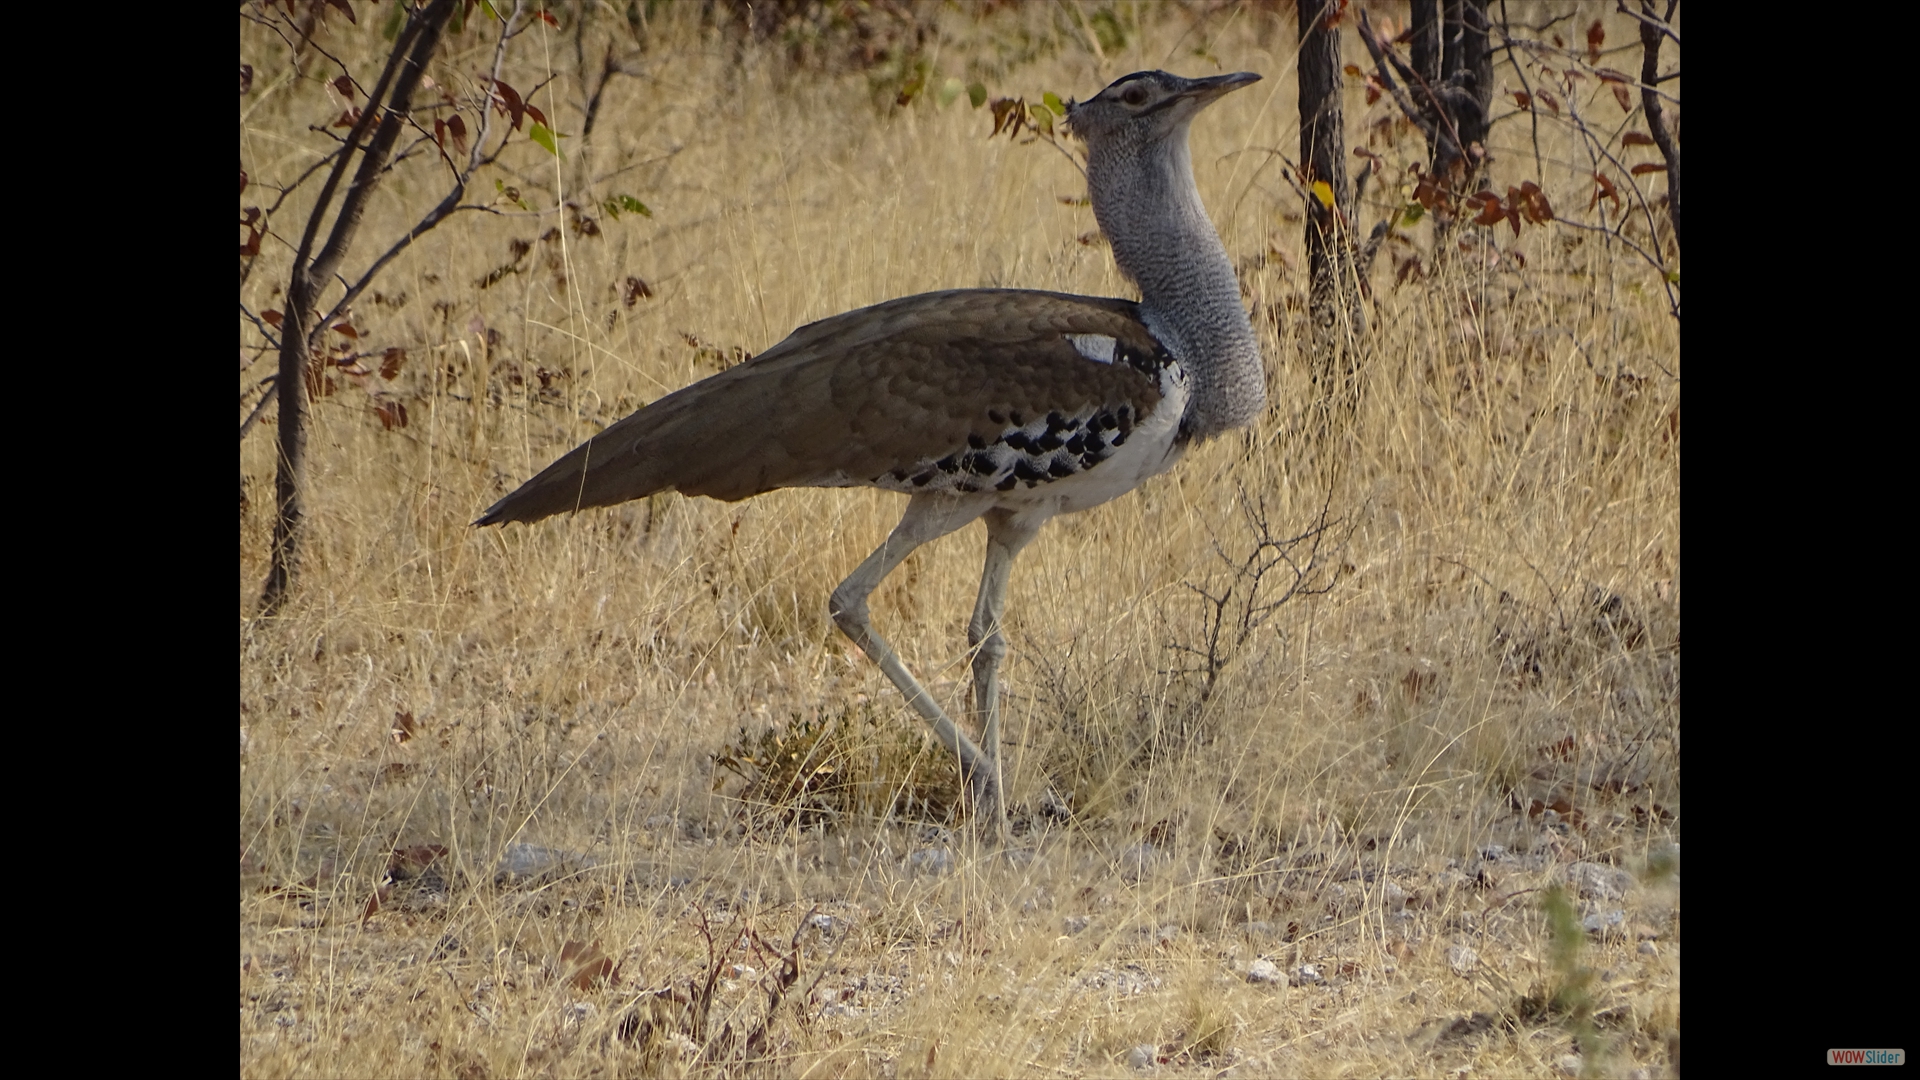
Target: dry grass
x,y
1501,635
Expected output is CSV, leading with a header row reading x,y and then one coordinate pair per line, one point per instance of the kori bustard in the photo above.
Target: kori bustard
x,y
1005,405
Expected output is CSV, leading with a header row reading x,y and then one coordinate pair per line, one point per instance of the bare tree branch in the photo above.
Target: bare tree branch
x,y
1659,27
447,206
1380,57
401,76
1650,103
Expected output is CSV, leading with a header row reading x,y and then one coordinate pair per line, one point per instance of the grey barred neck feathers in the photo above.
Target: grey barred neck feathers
x,y
1140,180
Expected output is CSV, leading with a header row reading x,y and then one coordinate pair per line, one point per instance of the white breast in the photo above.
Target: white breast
x,y
1149,451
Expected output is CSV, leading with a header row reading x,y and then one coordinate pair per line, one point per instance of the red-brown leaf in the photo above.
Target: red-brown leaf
x,y
390,362
1538,209
1546,98
1523,99
1008,113
404,727
1621,95
246,77
349,118
1637,138
345,9
458,129
392,414
1428,194
538,116
1646,167
587,963
1490,210
547,17
509,102
1596,37
346,329
271,318
343,84
373,903
1603,189
411,860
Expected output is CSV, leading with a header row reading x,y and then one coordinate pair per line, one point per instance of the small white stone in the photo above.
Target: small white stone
x,y
1598,881
1601,921
931,861
1264,971
1462,959
1141,1058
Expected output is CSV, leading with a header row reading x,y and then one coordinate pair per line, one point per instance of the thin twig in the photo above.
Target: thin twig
x,y
1533,117
259,406
451,204
1662,25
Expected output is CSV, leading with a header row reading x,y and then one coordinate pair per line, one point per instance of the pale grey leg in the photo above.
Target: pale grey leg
x,y
928,518
1007,533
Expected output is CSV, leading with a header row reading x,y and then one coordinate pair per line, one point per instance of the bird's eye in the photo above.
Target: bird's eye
x,y
1133,95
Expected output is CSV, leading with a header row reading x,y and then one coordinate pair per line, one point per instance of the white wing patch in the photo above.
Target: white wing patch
x,y
1097,347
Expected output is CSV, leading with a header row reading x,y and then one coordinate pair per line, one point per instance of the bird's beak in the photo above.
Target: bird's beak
x,y
1217,86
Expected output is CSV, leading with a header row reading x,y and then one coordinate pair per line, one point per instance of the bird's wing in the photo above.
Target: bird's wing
x,y
868,397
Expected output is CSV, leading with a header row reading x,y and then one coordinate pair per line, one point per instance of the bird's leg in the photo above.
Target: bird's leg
x,y
928,518
1006,535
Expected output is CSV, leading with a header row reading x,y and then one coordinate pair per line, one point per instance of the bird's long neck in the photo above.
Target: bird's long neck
x,y
1146,202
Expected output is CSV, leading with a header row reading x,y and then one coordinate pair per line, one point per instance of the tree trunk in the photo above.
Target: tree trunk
x,y
1333,298
1426,42
1650,101
1466,82
298,335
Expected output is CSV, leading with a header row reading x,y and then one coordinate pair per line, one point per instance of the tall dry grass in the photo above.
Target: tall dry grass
x,y
1496,661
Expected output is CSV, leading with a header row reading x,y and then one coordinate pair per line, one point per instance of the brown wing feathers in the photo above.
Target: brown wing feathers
x,y
849,399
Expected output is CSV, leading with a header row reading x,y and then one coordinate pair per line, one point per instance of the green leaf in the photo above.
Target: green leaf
x,y
949,90
395,16
977,93
543,135
1673,276
618,204
1053,102
487,6
1411,213
1042,119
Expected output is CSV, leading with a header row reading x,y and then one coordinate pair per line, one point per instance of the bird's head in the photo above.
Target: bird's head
x,y
1148,106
